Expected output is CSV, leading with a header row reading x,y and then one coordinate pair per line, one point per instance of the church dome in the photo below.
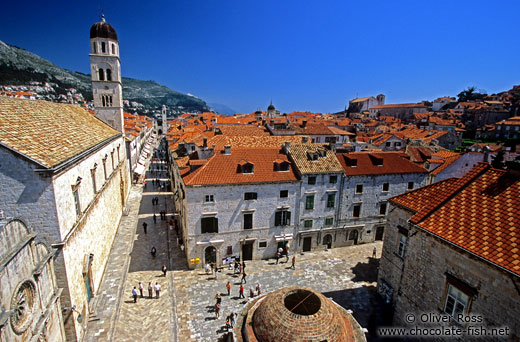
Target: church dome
x,y
300,314
102,29
271,107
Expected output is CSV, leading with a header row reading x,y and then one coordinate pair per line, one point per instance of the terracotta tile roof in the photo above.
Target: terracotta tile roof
x,y
377,163
361,99
244,130
300,154
49,133
312,129
400,105
446,161
479,212
515,120
224,169
419,154
339,131
252,141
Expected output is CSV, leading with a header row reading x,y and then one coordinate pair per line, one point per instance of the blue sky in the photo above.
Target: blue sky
x,y
304,55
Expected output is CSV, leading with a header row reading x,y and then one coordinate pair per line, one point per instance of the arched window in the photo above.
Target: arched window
x,y
109,75
113,49
103,49
94,47
101,75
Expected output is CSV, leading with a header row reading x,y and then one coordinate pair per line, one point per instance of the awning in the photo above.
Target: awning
x,y
283,237
209,242
248,240
139,169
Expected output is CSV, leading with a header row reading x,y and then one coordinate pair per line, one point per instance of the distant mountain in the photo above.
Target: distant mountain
x,y
222,109
21,67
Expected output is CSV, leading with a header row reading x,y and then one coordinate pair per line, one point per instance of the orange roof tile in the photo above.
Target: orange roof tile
x,y
377,163
479,213
223,169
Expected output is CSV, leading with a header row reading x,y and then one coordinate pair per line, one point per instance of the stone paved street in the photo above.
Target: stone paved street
x,y
185,309
347,275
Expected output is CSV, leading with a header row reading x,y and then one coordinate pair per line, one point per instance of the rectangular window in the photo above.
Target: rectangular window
x,y
209,199
311,180
456,301
359,189
401,248
209,225
333,179
282,218
284,193
356,210
118,160
388,143
410,185
112,158
331,200
93,176
249,196
309,202
307,223
76,202
386,187
105,168
229,250
329,221
382,208
248,221
262,244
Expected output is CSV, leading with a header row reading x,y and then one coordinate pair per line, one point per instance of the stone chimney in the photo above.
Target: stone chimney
x,y
204,142
486,154
227,150
286,146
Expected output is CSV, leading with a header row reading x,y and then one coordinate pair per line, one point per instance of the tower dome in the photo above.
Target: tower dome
x,y
102,29
271,107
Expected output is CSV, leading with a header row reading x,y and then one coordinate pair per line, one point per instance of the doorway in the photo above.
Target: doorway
x,y
353,236
247,251
210,255
307,243
327,240
379,233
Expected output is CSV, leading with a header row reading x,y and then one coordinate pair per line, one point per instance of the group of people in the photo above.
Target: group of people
x,y
287,254
136,292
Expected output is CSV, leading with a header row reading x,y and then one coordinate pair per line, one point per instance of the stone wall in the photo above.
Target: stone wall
x,y
27,281
419,280
229,207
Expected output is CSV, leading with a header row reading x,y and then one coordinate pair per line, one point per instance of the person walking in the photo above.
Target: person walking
x,y
293,262
277,257
154,218
216,273
258,289
218,298
237,267
232,319
157,290
244,266
141,289
164,269
228,287
287,257
207,268
251,293
150,290
144,226
374,252
243,277
134,294
241,291
217,310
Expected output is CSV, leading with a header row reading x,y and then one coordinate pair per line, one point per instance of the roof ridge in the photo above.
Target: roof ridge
x,y
461,183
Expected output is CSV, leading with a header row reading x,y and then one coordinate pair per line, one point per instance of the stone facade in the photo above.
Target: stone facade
x,y
30,308
416,280
373,195
229,206
46,201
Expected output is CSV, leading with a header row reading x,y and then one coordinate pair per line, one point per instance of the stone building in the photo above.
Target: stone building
x,y
403,111
319,195
296,314
30,307
65,173
370,180
240,202
451,249
363,104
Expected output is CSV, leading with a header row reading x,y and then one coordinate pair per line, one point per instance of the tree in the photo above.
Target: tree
x,y
470,94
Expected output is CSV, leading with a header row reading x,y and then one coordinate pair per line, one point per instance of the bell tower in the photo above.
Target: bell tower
x,y
105,70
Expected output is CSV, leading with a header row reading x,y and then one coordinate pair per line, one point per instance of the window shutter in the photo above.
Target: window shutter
x,y
277,217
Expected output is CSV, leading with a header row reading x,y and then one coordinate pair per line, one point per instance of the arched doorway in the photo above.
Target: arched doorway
x,y
210,255
353,236
379,233
327,240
